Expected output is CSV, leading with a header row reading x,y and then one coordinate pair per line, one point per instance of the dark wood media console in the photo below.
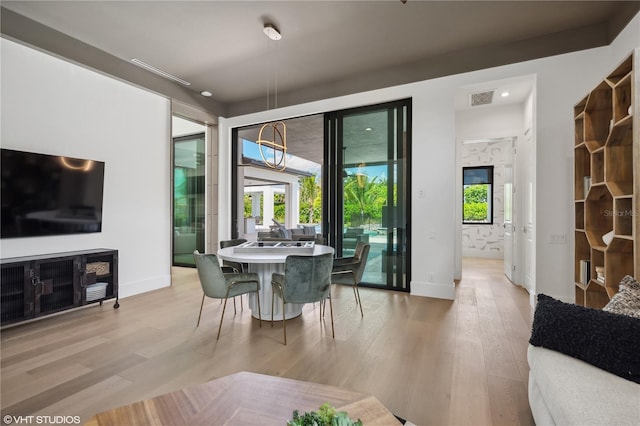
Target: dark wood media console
x,y
35,286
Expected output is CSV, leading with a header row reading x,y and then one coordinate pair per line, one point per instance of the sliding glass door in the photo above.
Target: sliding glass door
x,y
188,198
367,177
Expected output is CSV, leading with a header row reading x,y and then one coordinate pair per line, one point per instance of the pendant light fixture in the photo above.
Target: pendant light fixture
x,y
274,150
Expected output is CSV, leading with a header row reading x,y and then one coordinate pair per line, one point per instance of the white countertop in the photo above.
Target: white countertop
x,y
262,257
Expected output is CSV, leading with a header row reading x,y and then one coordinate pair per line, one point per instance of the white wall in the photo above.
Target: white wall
x,y
561,82
54,107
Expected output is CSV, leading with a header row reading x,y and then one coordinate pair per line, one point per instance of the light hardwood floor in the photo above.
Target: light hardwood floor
x,y
430,361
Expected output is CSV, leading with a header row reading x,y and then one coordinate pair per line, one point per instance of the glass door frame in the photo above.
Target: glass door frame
x,y
333,191
200,234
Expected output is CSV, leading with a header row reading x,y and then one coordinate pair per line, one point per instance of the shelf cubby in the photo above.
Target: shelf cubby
x,y
618,263
579,132
623,217
598,214
597,166
594,296
598,114
583,252
622,98
579,218
621,71
618,166
582,170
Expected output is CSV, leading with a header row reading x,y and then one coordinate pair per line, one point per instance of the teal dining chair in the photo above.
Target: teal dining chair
x,y
306,279
218,285
349,270
233,267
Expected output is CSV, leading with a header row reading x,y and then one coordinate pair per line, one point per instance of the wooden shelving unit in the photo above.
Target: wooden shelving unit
x,y
607,184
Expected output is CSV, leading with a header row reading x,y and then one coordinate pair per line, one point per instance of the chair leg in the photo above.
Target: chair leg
x,y
259,313
284,324
333,332
234,306
358,299
200,314
272,296
222,317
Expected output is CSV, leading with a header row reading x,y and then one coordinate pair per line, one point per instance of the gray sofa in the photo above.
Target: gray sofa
x,y
584,363
566,391
280,233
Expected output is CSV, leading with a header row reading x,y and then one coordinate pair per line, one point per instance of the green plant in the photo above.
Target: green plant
x,y
325,416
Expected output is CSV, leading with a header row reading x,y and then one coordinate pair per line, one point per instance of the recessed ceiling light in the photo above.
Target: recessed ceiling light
x,y
206,93
504,94
272,32
368,129
155,70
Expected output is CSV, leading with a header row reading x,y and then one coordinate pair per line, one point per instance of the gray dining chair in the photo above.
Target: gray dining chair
x,y
236,266
229,266
349,270
306,279
218,285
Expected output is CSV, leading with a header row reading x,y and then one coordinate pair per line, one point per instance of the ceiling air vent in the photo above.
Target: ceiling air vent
x,y
481,98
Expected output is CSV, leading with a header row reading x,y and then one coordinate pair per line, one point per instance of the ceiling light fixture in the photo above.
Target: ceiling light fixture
x,y
276,147
155,70
272,32
504,94
206,93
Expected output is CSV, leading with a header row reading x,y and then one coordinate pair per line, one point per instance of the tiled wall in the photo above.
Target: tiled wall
x,y
487,240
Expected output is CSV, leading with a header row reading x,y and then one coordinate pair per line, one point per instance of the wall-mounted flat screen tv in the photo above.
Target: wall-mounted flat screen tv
x,y
43,195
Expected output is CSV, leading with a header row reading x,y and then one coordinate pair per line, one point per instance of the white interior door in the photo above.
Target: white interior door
x,y
528,205
509,228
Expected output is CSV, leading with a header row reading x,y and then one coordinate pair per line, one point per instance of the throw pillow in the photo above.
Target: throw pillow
x,y
627,300
606,340
284,233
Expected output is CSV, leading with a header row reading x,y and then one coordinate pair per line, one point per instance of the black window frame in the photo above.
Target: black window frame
x,y
490,179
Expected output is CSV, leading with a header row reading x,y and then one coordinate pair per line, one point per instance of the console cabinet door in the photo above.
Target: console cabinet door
x,y
56,285
17,300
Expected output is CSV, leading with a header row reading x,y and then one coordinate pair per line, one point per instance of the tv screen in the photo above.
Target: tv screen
x,y
44,195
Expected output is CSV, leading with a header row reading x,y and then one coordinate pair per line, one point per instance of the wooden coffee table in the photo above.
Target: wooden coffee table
x,y
245,399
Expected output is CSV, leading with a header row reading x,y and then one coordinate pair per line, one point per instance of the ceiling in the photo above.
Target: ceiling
x,y
328,48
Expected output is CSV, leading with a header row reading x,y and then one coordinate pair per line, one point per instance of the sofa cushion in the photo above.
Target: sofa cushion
x,y
566,391
606,340
627,300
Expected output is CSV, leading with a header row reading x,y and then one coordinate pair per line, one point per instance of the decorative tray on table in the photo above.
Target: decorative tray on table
x,y
286,247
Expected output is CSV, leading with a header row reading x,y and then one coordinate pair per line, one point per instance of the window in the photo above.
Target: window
x,y
477,198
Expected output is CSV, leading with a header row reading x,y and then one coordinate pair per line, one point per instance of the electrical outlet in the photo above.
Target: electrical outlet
x,y
420,193
430,277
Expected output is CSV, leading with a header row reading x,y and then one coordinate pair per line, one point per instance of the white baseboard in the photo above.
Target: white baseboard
x,y
436,290
533,297
137,287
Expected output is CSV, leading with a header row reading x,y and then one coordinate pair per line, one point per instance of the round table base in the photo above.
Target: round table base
x,y
264,270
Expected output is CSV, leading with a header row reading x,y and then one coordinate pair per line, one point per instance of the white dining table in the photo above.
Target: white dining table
x,y
265,262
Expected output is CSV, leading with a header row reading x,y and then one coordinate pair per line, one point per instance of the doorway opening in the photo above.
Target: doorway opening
x,y
495,156
189,187
346,181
